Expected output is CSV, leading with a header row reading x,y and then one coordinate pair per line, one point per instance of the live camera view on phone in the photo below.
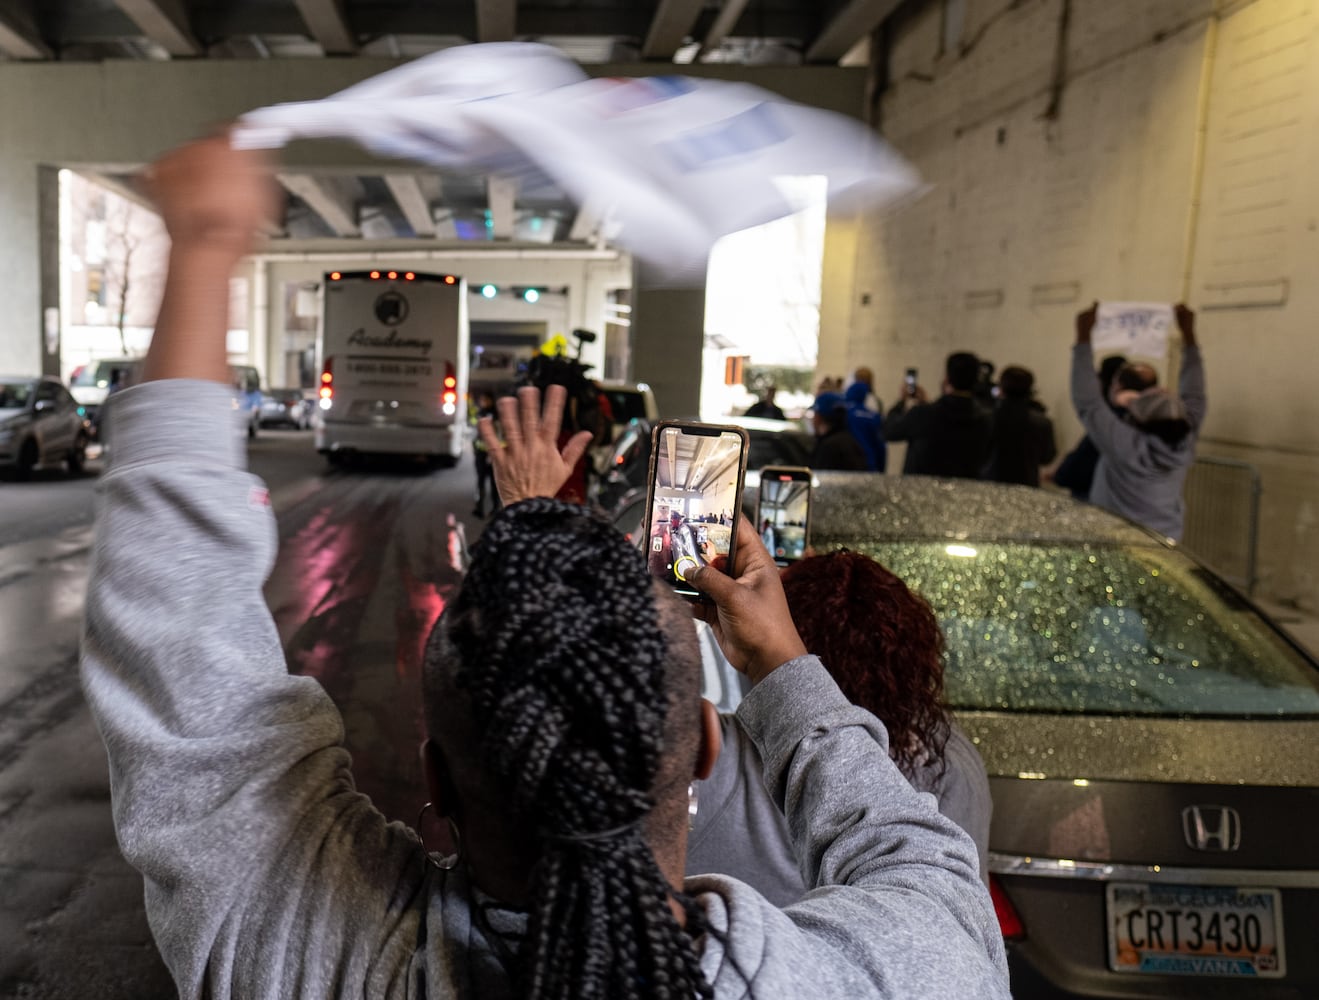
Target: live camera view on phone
x,y
695,502
784,506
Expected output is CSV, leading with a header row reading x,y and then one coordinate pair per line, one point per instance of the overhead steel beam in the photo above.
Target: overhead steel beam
x,y
127,188
586,225
723,25
854,21
334,199
502,193
412,202
328,25
19,37
673,22
165,22
496,20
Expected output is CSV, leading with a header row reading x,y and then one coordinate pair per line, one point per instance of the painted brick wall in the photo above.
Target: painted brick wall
x,y
1044,198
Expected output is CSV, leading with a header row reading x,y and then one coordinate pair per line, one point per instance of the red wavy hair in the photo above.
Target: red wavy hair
x,y
882,644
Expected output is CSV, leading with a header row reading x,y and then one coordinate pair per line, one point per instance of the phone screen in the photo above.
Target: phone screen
x,y
911,381
785,512
696,474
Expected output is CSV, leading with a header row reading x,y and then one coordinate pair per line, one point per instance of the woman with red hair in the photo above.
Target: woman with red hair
x,y
882,644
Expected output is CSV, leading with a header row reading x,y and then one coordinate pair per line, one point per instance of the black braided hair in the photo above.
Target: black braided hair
x,y
561,656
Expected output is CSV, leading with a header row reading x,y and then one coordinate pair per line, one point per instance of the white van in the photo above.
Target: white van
x,y
393,349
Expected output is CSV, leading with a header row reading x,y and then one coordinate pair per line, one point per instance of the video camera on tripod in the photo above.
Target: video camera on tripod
x,y
557,368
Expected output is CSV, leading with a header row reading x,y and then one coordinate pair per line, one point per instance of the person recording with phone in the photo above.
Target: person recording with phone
x,y
949,436
882,644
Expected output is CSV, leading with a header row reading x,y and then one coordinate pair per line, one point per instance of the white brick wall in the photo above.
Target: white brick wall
x,y
1031,218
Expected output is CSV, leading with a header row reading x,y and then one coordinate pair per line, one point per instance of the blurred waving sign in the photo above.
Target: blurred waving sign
x,y
1133,328
673,163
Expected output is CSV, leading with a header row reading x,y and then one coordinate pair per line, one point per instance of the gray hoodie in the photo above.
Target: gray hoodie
x,y
1139,475
268,876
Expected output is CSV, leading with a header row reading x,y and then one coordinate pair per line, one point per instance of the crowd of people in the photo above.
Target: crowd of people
x,y
1139,438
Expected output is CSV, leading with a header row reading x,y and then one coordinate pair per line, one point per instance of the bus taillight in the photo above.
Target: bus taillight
x,y
327,384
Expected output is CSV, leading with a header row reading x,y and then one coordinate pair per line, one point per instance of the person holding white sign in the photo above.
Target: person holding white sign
x,y
1145,452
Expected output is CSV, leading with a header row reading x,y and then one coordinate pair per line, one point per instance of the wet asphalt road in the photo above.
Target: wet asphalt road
x,y
367,560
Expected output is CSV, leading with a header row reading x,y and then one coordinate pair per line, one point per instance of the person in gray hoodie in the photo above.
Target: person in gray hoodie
x,y
561,696
1146,437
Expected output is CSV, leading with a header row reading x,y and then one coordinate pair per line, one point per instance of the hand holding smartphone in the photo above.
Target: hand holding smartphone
x,y
784,512
910,381
693,497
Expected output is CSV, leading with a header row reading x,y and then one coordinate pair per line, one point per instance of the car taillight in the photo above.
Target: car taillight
x,y
327,384
1008,922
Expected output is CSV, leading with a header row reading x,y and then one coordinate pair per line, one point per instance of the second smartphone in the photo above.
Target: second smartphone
x,y
784,512
693,496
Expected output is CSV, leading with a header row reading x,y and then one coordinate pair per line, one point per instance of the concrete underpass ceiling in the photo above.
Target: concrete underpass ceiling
x,y
412,206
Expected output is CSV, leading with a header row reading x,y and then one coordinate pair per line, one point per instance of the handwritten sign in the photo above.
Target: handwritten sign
x,y
1137,329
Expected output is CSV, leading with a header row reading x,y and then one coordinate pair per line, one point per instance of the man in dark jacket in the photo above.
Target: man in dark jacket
x,y
949,437
835,447
1022,439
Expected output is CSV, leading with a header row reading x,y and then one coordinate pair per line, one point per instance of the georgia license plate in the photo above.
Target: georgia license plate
x,y
1195,931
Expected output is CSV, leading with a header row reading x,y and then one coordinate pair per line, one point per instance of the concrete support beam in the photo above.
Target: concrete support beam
x,y
723,24
668,342
673,22
496,20
502,193
328,25
412,202
586,224
19,37
165,22
329,197
853,22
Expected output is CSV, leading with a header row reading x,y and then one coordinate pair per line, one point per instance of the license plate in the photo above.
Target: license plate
x,y
1195,931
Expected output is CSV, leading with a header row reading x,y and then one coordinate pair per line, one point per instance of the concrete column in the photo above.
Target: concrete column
x,y
668,336
48,221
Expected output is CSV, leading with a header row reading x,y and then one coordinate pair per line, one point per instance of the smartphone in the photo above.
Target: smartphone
x,y
693,496
783,514
911,381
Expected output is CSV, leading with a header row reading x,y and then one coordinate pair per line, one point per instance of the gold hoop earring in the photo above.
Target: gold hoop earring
x,y
444,863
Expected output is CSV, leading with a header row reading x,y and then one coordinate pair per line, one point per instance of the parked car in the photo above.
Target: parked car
x,y
621,490
91,383
41,425
628,401
1149,736
286,407
247,400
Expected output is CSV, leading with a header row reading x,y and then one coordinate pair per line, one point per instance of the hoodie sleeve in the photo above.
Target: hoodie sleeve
x,y
266,873
1192,386
896,907
1107,431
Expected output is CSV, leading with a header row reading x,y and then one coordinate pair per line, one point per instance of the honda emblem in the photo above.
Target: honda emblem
x,y
1212,828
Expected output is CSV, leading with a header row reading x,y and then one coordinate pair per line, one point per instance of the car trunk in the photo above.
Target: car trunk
x,y
1100,822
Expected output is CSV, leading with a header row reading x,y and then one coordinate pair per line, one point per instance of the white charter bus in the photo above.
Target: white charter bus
x,y
393,350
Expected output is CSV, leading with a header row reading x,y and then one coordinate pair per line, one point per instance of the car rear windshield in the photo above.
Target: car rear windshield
x,y
14,395
625,405
1099,630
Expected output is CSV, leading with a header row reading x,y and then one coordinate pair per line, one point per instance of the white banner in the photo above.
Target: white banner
x,y
674,162
1136,329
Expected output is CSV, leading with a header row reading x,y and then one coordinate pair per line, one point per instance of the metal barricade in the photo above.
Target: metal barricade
x,y
1222,518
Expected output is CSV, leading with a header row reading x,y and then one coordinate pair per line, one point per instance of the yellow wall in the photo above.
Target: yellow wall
x,y
1176,165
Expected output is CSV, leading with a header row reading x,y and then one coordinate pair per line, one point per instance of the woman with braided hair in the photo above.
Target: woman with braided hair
x,y
561,693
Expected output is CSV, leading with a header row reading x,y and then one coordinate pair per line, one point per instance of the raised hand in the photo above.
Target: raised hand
x,y
750,617
528,463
